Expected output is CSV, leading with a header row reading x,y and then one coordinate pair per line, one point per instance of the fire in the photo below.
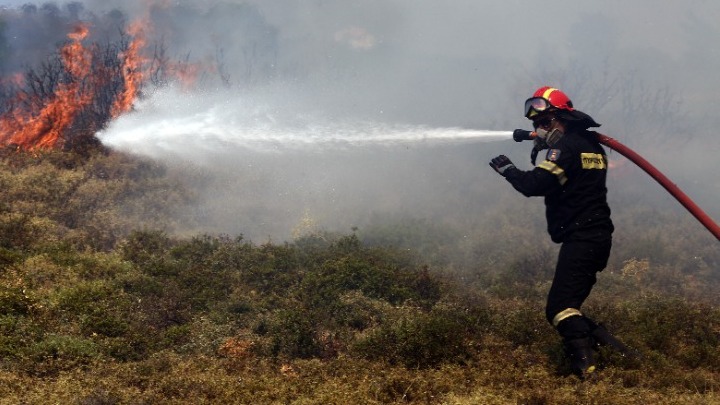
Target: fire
x,y
44,128
132,70
89,87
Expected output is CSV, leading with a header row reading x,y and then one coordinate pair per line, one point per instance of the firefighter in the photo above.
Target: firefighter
x,y
572,180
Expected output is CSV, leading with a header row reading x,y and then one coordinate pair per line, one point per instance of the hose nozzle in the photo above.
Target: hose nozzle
x,y
520,135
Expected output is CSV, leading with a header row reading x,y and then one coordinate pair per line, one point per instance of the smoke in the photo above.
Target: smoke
x,y
274,168
290,88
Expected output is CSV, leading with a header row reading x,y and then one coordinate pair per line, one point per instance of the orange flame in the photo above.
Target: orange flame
x,y
44,129
132,70
34,123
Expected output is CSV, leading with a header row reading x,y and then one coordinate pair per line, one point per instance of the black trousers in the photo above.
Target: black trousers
x,y
582,255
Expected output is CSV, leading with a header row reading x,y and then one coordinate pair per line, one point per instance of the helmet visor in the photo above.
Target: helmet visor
x,y
536,105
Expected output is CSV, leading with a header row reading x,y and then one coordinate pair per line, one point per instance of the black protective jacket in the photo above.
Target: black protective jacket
x,y
572,180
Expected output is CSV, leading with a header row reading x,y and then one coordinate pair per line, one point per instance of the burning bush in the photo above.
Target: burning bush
x,y
69,97
60,101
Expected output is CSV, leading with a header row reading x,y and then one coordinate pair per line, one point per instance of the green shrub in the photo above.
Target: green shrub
x,y
133,345
98,308
16,334
160,302
92,201
145,247
417,340
176,336
267,269
55,353
16,232
201,279
289,333
14,300
523,324
200,336
677,329
358,312
377,273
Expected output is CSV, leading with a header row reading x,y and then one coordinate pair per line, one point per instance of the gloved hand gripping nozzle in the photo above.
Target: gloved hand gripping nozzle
x,y
520,135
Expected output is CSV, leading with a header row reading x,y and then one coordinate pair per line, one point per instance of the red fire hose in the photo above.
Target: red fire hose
x,y
664,181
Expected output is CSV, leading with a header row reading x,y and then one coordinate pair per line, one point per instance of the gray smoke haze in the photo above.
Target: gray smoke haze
x,y
647,72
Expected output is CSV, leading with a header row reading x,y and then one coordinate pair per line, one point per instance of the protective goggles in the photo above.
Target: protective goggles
x,y
536,105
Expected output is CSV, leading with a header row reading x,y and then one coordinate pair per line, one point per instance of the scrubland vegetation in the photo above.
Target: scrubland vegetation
x,y
102,302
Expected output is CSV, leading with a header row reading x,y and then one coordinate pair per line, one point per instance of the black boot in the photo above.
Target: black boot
x,y
602,337
580,353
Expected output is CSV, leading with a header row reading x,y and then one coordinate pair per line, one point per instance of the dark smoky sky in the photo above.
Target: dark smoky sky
x,y
647,71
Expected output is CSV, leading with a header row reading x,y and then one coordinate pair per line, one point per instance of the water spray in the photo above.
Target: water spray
x,y
520,135
173,122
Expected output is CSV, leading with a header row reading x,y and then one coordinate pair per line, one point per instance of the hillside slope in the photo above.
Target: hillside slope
x,y
103,302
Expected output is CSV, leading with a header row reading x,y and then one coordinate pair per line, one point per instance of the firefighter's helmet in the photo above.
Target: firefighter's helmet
x,y
547,98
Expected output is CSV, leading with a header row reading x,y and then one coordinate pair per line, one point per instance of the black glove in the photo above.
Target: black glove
x,y
501,164
539,145
520,135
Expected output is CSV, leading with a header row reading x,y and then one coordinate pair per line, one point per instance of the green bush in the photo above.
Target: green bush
x,y
16,334
417,340
98,307
56,353
358,312
134,345
377,273
14,300
290,334
681,331
94,201
144,248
